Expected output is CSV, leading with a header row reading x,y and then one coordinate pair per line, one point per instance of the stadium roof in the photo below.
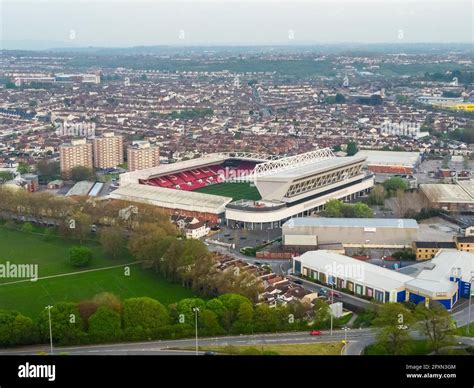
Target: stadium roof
x,y
316,167
163,169
371,275
353,222
388,158
205,160
172,199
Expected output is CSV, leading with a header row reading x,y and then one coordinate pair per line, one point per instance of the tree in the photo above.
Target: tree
x,y
144,315
217,307
232,304
82,225
82,173
80,256
148,242
377,195
66,322
6,176
243,323
394,184
351,148
105,325
337,148
436,323
27,227
361,210
23,168
393,320
265,318
333,208
109,300
16,329
186,306
113,241
48,170
321,311
209,323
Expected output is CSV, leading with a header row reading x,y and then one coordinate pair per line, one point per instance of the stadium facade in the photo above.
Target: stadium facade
x,y
294,186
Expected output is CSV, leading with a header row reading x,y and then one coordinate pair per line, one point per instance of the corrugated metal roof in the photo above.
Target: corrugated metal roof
x,y
369,274
171,198
354,222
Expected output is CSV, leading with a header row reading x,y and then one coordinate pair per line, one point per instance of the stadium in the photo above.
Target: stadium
x,y
250,190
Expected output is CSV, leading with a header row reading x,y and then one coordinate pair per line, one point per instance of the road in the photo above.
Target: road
x,y
166,347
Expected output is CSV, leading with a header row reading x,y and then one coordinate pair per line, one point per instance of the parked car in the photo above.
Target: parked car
x,y
297,282
315,333
334,293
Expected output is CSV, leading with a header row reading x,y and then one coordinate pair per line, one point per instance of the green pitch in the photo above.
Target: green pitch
x,y
234,190
52,256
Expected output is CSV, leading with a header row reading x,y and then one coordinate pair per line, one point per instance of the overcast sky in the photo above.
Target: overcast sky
x,y
129,23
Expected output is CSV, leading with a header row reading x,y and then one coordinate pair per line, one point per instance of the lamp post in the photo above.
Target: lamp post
x,y
196,311
332,302
49,307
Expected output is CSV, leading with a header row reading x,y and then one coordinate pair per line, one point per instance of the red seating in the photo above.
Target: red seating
x,y
200,177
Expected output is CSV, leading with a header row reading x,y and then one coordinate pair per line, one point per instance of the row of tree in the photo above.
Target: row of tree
x,y
106,318
337,208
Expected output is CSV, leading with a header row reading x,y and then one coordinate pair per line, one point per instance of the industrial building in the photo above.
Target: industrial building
x,y
391,162
350,232
445,279
355,276
451,197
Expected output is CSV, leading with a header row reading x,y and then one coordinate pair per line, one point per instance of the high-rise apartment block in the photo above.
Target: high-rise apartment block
x,y
141,155
74,154
108,150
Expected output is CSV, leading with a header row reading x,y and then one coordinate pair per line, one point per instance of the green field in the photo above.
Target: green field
x,y
320,349
234,190
52,259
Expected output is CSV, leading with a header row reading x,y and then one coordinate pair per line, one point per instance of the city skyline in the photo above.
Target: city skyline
x,y
210,23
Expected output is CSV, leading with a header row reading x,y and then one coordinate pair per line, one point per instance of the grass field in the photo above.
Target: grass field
x,y
52,259
466,331
326,349
51,255
234,190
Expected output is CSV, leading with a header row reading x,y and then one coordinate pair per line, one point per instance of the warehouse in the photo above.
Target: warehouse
x,y
351,232
391,162
445,279
355,276
451,197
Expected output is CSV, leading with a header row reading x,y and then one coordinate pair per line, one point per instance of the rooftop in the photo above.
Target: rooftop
x,y
188,200
445,192
390,157
372,275
314,168
353,222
